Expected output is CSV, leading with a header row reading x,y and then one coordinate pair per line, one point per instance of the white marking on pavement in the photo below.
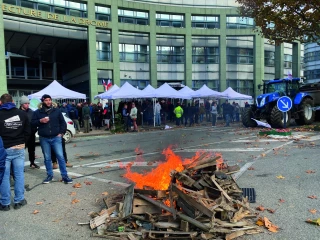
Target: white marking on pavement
x,y
243,169
98,179
313,138
125,164
260,140
222,150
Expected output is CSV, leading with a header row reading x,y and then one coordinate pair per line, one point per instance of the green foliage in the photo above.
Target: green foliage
x,y
293,19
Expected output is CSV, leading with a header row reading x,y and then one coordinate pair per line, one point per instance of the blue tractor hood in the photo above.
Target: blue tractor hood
x,y
266,98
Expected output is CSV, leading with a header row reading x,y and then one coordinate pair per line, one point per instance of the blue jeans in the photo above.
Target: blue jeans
x,y
228,119
15,160
214,119
56,144
201,117
158,119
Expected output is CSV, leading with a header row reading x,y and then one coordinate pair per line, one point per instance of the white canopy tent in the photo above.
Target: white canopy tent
x,y
186,91
204,91
107,95
148,91
127,91
231,94
57,91
165,91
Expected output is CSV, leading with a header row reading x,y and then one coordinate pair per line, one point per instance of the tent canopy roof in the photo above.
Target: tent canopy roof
x,y
106,95
57,91
231,94
127,91
204,91
165,91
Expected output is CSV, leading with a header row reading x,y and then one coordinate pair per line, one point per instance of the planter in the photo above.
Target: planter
x,y
275,132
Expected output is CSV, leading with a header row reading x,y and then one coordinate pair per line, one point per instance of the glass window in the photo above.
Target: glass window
x,y
127,13
75,13
44,7
100,9
60,3
102,17
75,5
44,1
142,14
59,10
12,2
27,4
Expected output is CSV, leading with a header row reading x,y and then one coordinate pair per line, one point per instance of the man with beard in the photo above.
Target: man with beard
x,y
51,128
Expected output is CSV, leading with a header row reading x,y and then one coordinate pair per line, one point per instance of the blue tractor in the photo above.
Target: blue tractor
x,y
303,96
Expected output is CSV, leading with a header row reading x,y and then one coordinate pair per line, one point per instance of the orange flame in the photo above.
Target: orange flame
x,y
159,178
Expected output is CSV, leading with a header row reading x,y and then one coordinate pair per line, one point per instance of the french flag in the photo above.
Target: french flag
x,y
109,85
105,85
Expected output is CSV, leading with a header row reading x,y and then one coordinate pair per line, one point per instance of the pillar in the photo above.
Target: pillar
x,y
279,61
3,74
258,63
296,59
188,50
223,53
153,49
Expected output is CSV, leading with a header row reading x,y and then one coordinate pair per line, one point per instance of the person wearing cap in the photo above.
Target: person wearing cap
x,y
51,128
14,131
31,144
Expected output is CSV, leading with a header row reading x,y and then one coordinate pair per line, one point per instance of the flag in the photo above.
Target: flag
x,y
109,84
105,85
263,124
289,75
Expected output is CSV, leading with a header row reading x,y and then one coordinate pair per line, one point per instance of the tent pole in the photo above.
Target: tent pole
x,y
154,112
113,125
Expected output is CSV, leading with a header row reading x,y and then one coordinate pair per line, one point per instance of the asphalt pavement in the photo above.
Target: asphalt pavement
x,y
280,169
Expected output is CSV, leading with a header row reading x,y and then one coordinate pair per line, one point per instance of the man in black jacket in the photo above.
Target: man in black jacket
x,y
15,131
31,144
51,127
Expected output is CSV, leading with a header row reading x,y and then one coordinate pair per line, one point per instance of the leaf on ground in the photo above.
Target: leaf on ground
x,y
88,183
281,200
260,208
39,203
313,211
310,171
72,193
74,145
280,177
271,210
104,193
251,168
35,212
263,154
260,222
312,197
107,167
74,201
77,185
315,221
271,227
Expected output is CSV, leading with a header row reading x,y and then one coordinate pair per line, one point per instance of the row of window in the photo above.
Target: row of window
x,y
132,17
312,56
312,74
54,6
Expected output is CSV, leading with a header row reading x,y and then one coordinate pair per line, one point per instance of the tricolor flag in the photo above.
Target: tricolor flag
x,y
109,84
105,85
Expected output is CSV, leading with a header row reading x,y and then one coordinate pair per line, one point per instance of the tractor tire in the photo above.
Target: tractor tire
x,y
306,114
247,114
276,118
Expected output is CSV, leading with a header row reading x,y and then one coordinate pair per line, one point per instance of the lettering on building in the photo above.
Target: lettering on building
x,y
28,12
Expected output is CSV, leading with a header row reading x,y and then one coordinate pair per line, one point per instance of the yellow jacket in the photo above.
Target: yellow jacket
x,y
178,111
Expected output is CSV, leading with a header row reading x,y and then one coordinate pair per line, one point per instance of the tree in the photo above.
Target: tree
x,y
284,20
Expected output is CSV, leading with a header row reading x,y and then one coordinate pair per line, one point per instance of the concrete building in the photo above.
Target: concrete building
x,y
312,62
82,43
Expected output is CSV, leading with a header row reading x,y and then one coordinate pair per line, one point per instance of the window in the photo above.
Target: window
x,y
206,22
133,17
287,61
170,54
12,2
103,51
134,53
103,13
240,23
169,20
26,4
205,55
269,58
239,55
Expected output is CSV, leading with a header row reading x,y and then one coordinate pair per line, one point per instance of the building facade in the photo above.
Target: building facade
x,y
312,62
82,43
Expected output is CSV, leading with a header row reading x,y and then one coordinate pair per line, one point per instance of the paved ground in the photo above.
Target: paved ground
x,y
98,157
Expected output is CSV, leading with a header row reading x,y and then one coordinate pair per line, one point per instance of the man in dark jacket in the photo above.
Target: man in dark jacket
x,y
51,127
15,131
31,144
3,155
228,111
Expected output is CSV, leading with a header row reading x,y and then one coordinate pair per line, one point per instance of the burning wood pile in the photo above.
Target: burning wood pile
x,y
198,199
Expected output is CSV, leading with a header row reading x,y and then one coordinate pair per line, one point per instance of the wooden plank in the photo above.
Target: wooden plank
x,y
223,192
141,206
166,225
181,215
184,226
97,221
192,202
128,200
186,208
183,178
132,237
